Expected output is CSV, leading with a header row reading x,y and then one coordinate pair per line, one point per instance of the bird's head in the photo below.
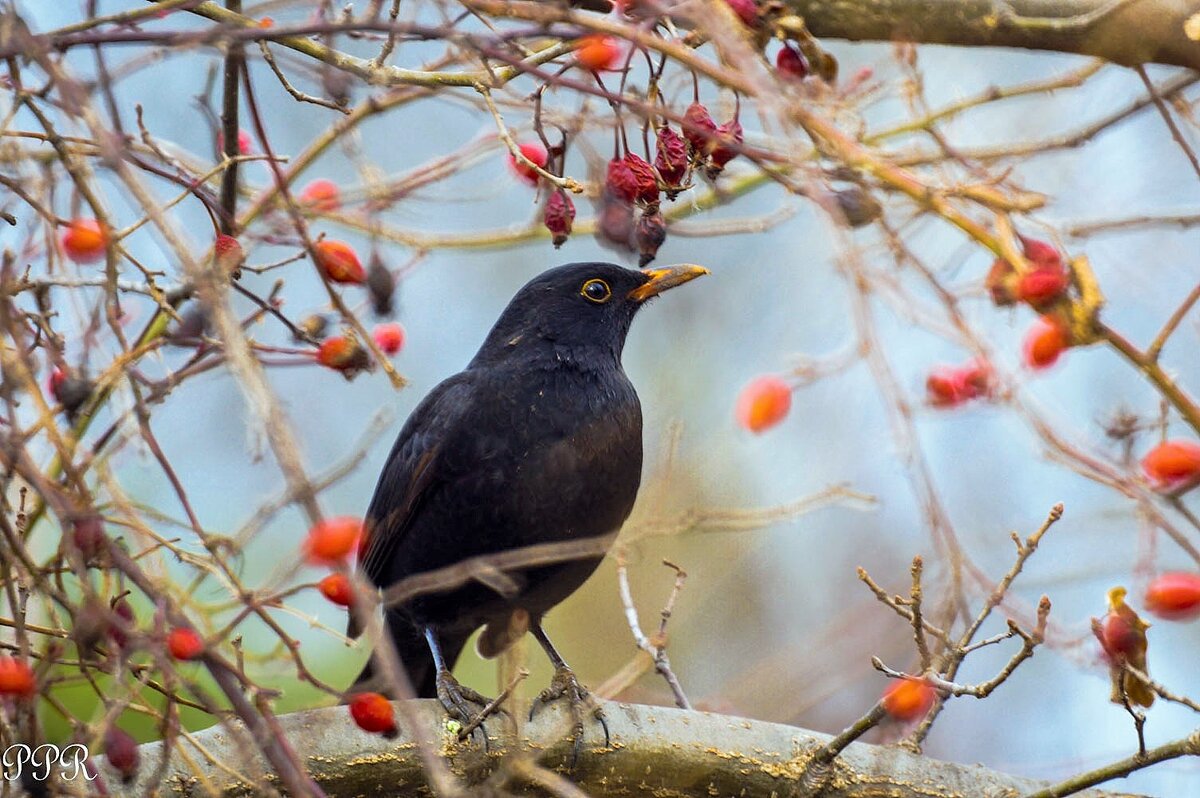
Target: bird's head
x,y
580,310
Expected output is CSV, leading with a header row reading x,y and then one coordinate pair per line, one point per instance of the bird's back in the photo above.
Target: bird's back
x,y
508,455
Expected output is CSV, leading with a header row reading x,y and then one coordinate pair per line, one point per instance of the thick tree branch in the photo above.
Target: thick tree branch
x,y
655,750
1122,31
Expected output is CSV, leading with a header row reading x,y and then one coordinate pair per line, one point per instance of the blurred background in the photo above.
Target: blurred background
x,y
772,623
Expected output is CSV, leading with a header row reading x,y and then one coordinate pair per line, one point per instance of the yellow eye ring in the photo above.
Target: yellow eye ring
x,y
596,290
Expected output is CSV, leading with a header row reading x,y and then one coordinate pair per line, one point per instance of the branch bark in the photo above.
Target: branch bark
x,y
655,751
1125,32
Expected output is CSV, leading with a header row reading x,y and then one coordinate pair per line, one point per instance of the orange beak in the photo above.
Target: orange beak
x,y
664,278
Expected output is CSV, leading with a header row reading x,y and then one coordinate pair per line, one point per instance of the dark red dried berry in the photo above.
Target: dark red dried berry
x,y
620,181
559,214
725,147
858,207
647,179
381,285
121,751
650,234
123,619
746,10
614,224
87,535
698,127
1001,283
671,158
790,63
70,391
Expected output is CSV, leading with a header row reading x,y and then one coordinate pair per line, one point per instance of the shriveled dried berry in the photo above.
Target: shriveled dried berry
x,y
645,179
671,159
559,216
698,127
858,206
650,234
121,751
88,537
790,63
724,148
620,180
614,222
121,622
381,285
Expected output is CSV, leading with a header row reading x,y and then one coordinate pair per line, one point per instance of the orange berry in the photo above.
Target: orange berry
x,y
322,196
330,542
1172,463
343,353
946,387
266,22
908,699
84,240
389,337
184,643
372,712
763,403
336,588
338,261
598,52
16,678
1174,596
1045,341
536,154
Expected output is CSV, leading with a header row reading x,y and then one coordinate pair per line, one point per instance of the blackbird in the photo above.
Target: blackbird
x,y
537,441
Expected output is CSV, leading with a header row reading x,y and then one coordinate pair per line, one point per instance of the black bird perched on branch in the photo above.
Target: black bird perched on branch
x,y
538,441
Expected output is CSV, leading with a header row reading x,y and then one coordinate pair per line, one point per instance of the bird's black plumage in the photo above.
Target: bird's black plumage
x,y
538,440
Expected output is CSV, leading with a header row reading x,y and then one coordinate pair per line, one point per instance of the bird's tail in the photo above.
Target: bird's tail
x,y
414,657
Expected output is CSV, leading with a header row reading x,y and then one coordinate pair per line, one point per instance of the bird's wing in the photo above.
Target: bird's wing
x,y
411,472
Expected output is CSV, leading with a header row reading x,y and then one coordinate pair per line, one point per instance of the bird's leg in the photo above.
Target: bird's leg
x,y
455,698
565,685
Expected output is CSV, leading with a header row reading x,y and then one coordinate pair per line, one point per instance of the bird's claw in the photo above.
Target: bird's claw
x,y
566,685
457,699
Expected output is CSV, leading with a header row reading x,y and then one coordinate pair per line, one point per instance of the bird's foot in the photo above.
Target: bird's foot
x,y
458,700
579,701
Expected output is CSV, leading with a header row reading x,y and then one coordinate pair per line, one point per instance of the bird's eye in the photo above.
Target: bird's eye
x,y
597,291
